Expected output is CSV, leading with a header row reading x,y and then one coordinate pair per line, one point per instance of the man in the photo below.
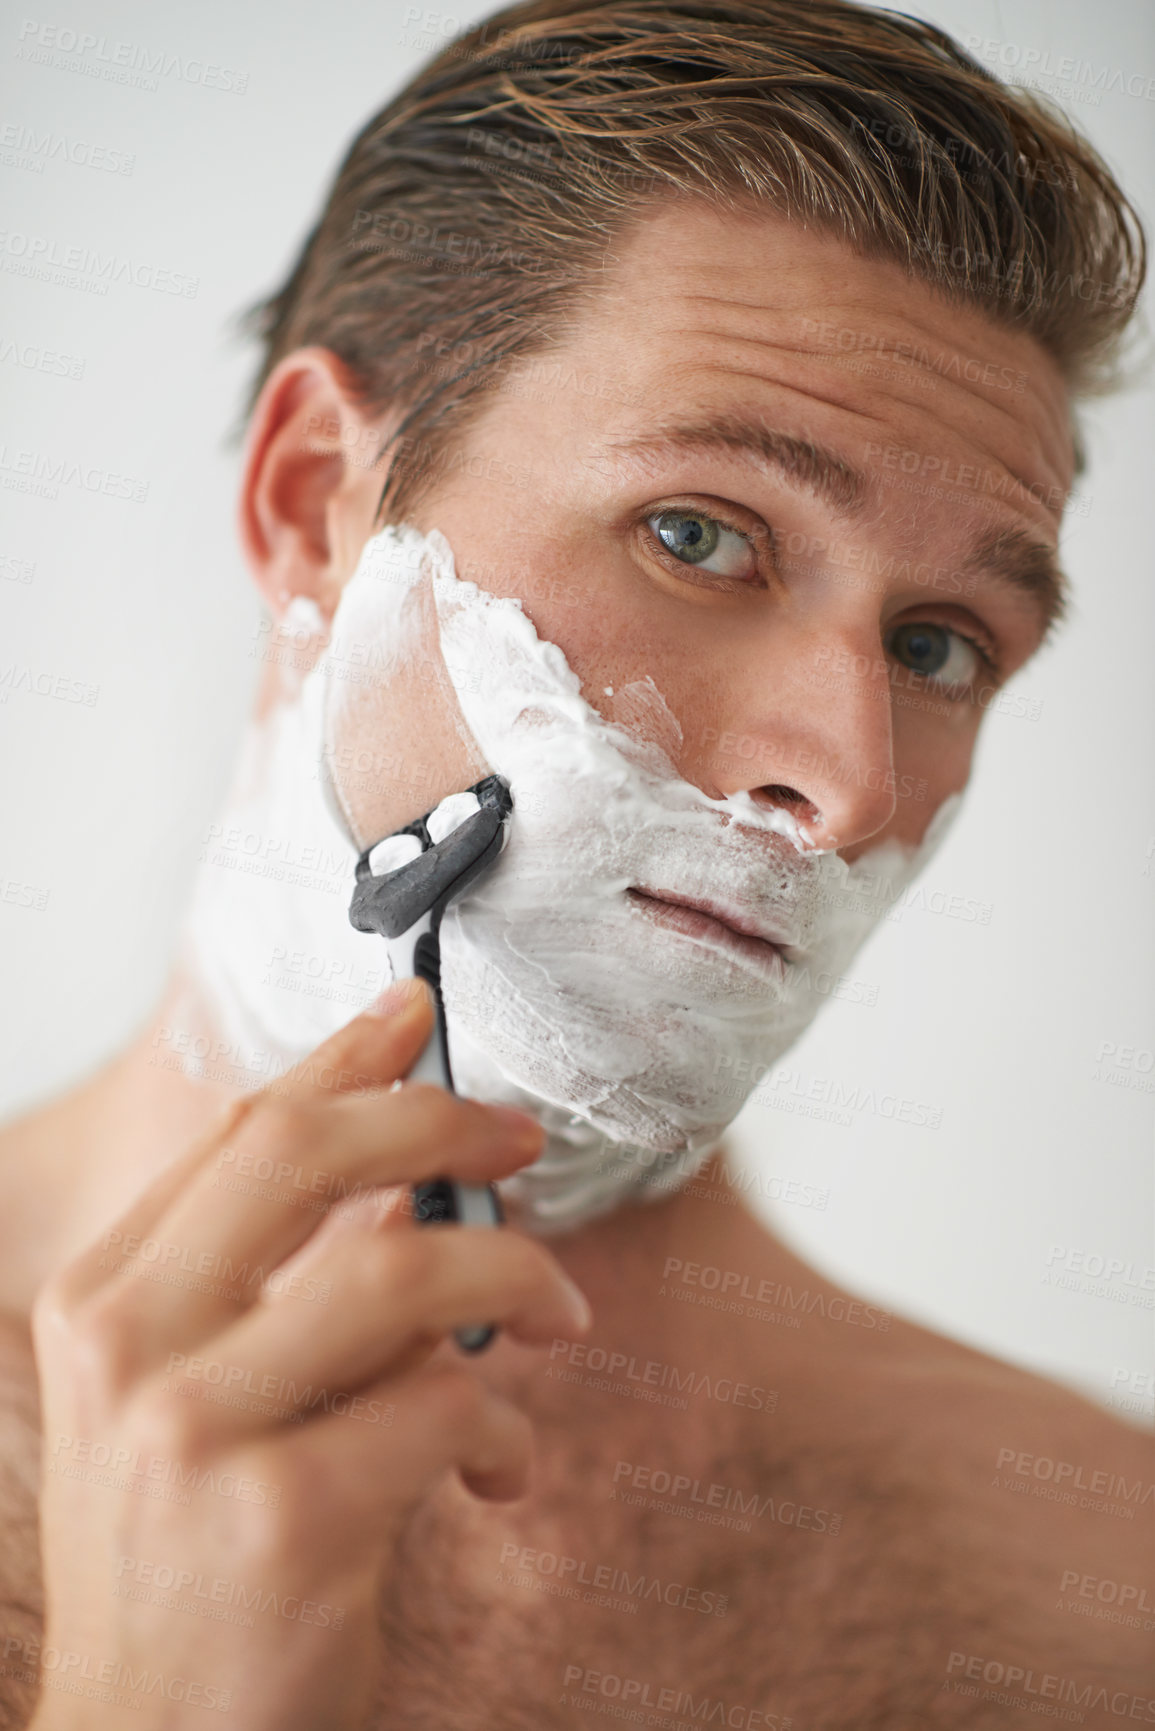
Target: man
x,y
778,586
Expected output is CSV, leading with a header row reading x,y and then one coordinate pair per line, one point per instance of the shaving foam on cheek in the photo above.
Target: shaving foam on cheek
x,y
563,994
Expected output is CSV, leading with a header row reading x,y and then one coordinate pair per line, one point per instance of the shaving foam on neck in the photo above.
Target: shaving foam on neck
x,y
563,995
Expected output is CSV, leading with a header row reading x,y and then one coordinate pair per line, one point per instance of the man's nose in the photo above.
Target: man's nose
x,y
807,728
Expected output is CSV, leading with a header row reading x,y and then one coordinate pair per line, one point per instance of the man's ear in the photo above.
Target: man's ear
x,y
311,482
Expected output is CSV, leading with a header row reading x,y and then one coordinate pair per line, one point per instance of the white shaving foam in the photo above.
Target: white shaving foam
x,y
563,996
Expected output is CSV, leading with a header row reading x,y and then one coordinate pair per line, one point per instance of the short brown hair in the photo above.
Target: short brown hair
x,y
472,214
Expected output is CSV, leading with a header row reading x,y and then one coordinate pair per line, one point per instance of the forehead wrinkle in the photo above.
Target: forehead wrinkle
x,y
904,323
912,327
811,393
904,388
925,415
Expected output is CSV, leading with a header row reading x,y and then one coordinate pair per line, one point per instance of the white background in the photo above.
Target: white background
x,y
998,1026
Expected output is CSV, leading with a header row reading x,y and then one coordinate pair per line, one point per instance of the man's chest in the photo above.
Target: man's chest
x,y
812,1600
769,1588
540,1620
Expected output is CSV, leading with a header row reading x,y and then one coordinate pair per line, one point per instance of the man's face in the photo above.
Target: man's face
x,y
827,614
745,558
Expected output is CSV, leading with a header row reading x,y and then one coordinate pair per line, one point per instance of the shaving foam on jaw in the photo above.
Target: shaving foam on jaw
x,y
562,995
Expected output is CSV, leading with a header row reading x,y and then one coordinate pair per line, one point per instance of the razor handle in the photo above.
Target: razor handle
x,y
444,1199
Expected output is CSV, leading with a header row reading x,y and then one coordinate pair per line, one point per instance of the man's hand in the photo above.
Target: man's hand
x,y
240,1407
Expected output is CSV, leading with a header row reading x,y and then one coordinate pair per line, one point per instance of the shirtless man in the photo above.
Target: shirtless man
x,y
788,1511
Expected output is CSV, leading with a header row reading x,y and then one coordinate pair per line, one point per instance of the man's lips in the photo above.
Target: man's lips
x,y
699,918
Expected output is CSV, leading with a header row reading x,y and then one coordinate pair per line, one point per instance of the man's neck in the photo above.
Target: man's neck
x,y
69,1169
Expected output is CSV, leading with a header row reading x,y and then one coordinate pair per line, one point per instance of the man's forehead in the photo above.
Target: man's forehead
x,y
697,287
762,262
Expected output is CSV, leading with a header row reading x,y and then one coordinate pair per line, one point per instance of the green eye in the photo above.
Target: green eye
x,y
935,651
695,538
923,648
690,538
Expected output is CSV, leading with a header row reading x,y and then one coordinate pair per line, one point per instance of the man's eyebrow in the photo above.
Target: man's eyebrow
x,y
1017,561
1011,557
823,472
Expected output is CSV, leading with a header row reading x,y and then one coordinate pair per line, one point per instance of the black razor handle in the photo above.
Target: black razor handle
x,y
440,1199
416,895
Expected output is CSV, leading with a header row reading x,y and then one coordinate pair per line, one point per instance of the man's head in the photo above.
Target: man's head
x,y
755,398
582,228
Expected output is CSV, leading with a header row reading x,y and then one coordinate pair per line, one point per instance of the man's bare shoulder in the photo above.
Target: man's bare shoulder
x,y
21,1604
1020,1433
1025,1513
19,1424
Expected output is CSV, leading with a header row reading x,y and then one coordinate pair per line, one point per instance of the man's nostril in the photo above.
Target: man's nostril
x,y
779,794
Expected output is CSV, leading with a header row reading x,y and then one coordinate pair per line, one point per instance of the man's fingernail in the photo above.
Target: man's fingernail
x,y
402,998
579,1303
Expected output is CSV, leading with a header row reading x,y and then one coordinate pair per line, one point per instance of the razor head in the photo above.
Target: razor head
x,y
390,902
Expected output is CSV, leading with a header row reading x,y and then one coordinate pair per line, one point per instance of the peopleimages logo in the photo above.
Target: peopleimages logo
x,y
1106,1592
214,1596
632,1694
120,62
24,147
1035,63
90,1459
714,1503
1022,1686
76,1673
1070,1476
37,471
523,1565
80,266
1063,1259
733,1282
652,1378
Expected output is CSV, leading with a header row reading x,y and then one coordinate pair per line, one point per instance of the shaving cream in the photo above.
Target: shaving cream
x,y
566,992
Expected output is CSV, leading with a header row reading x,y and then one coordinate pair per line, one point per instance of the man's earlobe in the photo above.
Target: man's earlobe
x,y
312,478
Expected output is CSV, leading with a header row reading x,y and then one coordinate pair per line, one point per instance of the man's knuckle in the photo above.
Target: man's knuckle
x,y
536,1268
457,1395
103,1337
233,1115
407,1268
166,1427
279,1127
51,1315
432,1105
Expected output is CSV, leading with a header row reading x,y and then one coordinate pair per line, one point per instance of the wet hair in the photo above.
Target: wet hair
x,y
471,217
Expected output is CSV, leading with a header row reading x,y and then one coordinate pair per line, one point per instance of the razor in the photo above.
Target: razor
x,y
404,884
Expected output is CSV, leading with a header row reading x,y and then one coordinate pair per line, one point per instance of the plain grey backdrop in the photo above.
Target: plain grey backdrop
x,y
1011,1013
